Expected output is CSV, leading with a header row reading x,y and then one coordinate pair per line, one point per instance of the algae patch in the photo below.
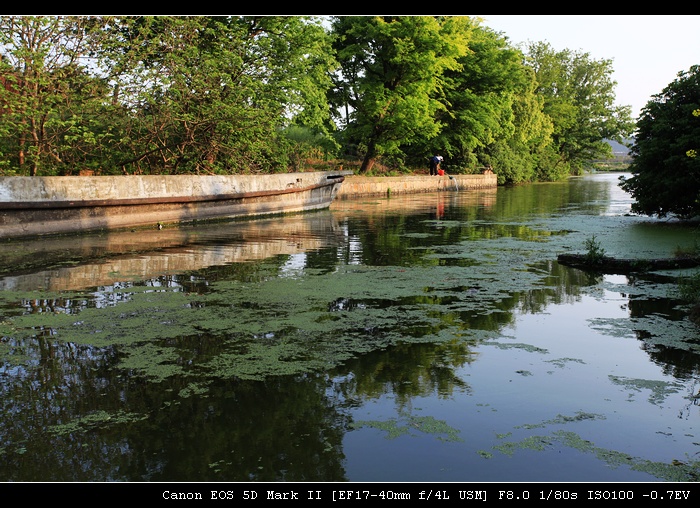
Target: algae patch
x,y
562,362
96,420
426,425
687,470
658,390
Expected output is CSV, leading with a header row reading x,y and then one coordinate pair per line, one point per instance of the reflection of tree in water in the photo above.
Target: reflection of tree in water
x,y
280,429
70,416
681,362
560,284
406,371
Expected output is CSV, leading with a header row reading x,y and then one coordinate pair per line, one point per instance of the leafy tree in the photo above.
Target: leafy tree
x,y
212,94
579,98
480,95
666,181
518,155
50,105
160,94
494,115
392,77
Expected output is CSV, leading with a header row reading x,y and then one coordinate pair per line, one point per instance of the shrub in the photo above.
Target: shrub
x,y
594,252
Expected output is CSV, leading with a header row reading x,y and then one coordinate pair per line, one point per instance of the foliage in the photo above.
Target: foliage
x,y
391,77
520,155
262,94
52,109
493,116
540,116
190,94
594,251
579,99
666,181
305,145
214,92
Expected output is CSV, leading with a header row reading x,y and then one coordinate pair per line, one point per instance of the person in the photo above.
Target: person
x,y
435,161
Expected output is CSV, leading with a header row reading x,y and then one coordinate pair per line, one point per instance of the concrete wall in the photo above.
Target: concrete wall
x,y
381,185
46,205
31,206
148,188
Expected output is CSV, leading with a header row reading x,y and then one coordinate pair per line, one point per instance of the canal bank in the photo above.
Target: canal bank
x,y
357,186
31,206
35,206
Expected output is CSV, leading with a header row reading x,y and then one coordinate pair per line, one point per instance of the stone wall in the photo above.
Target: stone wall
x,y
355,185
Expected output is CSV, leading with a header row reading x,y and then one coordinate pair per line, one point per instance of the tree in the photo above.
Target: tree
x,y
518,155
480,97
164,94
214,94
392,77
494,116
49,103
579,98
666,181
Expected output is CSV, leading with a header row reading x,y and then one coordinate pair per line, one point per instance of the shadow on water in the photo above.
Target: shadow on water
x,y
343,345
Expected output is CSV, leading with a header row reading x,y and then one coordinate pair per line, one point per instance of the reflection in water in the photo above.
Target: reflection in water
x,y
77,262
312,347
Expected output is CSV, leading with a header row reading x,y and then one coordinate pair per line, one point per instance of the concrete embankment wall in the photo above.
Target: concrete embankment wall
x,y
356,185
154,188
32,206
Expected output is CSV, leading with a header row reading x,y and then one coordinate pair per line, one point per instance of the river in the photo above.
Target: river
x,y
404,338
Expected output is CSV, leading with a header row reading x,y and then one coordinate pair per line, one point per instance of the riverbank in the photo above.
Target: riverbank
x,y
358,186
32,206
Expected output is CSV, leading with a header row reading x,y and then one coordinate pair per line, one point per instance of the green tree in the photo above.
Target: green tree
x,y
517,155
166,94
494,116
50,105
480,96
213,94
579,98
391,77
666,181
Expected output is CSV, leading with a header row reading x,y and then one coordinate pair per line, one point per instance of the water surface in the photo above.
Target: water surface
x,y
429,337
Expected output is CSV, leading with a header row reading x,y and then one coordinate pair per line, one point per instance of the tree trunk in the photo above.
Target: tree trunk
x,y
367,164
370,156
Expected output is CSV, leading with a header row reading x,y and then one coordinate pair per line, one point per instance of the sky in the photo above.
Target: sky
x,y
647,51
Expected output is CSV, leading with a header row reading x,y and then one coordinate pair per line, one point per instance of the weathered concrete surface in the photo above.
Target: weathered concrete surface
x,y
31,206
355,186
62,190
47,205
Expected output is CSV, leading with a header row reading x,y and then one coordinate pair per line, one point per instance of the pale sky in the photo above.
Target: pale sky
x,y
647,51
